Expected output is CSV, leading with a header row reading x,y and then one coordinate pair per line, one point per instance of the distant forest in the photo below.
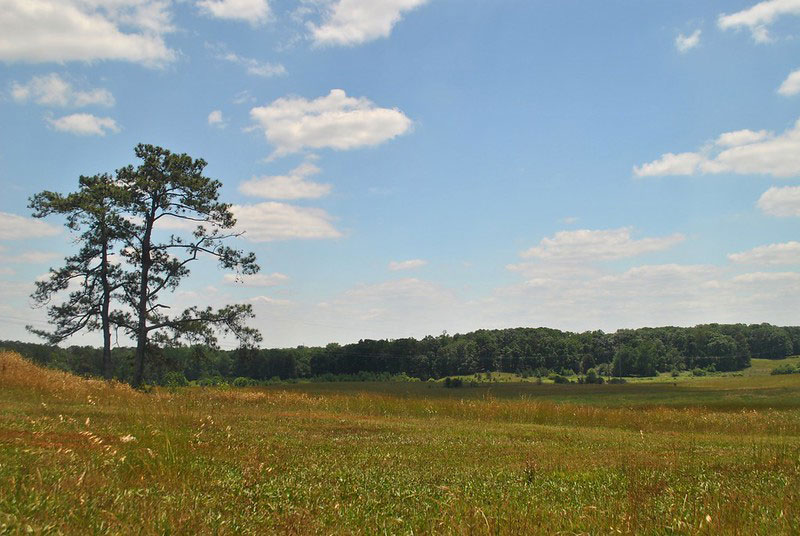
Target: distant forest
x,y
528,351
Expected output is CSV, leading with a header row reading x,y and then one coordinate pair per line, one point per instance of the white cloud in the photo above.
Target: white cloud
x,y
52,90
769,277
351,22
790,86
252,66
407,265
26,257
741,137
335,121
742,152
784,253
215,118
85,30
685,43
268,300
759,16
13,227
670,164
270,221
84,124
781,202
589,245
257,280
291,186
253,11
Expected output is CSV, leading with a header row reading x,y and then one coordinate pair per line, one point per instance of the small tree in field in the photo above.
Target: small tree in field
x,y
164,188
90,273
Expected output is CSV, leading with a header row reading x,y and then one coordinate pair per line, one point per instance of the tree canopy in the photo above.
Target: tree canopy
x,y
129,213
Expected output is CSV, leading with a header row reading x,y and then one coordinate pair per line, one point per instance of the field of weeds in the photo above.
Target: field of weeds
x,y
716,455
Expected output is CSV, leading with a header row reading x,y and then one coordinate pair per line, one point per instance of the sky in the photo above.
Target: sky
x,y
408,167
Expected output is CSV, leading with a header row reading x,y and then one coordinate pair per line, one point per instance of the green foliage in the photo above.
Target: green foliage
x,y
243,382
530,352
453,383
175,379
787,368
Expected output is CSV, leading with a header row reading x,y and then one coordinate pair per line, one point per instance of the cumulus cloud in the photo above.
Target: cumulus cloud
x,y
271,221
352,22
782,202
670,164
685,43
743,152
758,17
14,227
335,121
85,30
253,11
741,137
215,118
407,265
784,253
588,245
84,124
290,186
53,90
257,280
790,86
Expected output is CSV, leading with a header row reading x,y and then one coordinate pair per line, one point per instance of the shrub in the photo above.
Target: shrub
x,y
617,380
453,383
593,377
697,371
242,382
211,381
787,368
175,379
557,378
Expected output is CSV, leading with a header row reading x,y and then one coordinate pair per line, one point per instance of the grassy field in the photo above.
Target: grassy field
x,y
711,455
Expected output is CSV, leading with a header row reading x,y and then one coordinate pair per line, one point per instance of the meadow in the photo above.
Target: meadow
x,y
707,455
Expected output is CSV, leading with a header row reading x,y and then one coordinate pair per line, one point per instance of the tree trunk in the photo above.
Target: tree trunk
x,y
105,308
141,329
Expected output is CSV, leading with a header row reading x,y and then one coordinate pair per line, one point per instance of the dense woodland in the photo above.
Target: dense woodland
x,y
534,351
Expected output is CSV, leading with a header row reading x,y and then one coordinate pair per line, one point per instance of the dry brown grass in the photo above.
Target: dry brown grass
x,y
17,372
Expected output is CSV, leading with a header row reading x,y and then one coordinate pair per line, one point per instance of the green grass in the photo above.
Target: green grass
x,y
711,455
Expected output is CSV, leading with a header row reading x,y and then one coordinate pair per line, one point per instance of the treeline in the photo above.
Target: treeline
x,y
532,351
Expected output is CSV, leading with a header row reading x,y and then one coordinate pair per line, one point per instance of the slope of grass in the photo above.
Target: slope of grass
x,y
82,456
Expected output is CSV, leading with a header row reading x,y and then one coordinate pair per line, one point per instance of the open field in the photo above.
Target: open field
x,y
709,455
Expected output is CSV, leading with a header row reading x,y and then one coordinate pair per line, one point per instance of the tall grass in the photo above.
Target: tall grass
x,y
86,456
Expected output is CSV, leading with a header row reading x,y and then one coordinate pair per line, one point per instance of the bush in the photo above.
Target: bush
x,y
242,382
697,371
212,381
557,378
593,377
787,368
617,380
175,379
453,383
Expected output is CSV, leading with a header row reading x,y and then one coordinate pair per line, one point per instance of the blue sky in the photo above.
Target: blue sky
x,y
403,167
